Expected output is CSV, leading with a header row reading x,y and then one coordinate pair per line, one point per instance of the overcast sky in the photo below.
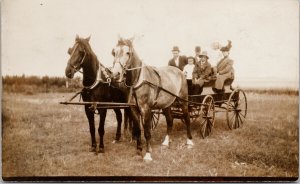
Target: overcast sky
x,y
265,33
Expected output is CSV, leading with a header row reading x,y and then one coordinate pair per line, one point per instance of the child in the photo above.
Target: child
x,y
188,72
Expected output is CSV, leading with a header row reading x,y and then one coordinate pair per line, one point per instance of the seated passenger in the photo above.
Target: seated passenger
x,y
224,69
201,73
188,72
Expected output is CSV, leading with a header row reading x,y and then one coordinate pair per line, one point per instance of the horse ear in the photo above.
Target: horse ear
x,y
88,38
69,51
77,37
113,52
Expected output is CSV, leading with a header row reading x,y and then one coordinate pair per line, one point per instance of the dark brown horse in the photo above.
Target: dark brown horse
x,y
153,89
96,87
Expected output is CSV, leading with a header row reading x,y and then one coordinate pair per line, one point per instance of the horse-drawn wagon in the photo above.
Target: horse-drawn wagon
x,y
145,93
202,107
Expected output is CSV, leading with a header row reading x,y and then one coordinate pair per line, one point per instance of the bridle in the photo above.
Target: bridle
x,y
125,68
77,68
100,69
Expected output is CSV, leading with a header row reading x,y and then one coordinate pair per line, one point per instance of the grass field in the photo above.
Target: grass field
x,y
42,138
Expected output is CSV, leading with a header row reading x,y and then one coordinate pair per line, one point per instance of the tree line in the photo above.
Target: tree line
x,y
32,84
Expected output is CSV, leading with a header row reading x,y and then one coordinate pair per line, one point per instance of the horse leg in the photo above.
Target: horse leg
x,y
101,130
136,129
90,115
169,120
119,127
187,122
127,123
147,134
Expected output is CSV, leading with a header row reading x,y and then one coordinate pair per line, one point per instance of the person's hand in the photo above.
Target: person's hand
x,y
194,81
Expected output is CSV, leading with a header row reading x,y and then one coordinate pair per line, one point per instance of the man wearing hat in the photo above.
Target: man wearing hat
x,y
177,60
197,53
201,73
224,69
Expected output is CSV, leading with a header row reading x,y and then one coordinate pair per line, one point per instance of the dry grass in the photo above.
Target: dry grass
x,y
42,138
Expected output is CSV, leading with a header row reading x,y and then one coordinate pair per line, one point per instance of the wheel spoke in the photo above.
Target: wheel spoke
x,y
232,117
240,104
230,104
240,119
243,115
235,122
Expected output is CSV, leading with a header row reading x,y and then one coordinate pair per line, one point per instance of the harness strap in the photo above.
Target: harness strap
x,y
98,77
167,91
158,87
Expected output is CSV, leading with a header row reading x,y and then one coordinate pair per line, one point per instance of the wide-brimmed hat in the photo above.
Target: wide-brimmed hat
x,y
197,49
204,53
176,48
227,47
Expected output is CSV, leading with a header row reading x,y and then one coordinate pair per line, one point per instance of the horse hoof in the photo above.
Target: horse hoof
x,y
190,146
189,143
116,141
165,144
101,150
147,157
93,149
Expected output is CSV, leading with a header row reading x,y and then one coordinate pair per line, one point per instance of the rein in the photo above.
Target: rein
x,y
136,86
77,68
101,68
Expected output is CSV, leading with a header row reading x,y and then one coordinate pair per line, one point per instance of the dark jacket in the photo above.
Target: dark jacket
x,y
203,71
181,64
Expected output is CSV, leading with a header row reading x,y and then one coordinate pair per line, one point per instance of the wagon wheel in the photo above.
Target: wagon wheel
x,y
155,118
208,110
236,109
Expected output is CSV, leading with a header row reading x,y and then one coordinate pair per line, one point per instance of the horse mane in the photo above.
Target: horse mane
x,y
89,50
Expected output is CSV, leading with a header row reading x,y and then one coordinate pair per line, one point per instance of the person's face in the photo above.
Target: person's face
x,y
190,61
225,53
175,54
197,53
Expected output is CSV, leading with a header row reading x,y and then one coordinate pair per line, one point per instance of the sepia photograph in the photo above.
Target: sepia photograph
x,y
150,91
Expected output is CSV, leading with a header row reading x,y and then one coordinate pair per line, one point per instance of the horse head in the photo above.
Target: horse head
x,y
78,55
123,54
